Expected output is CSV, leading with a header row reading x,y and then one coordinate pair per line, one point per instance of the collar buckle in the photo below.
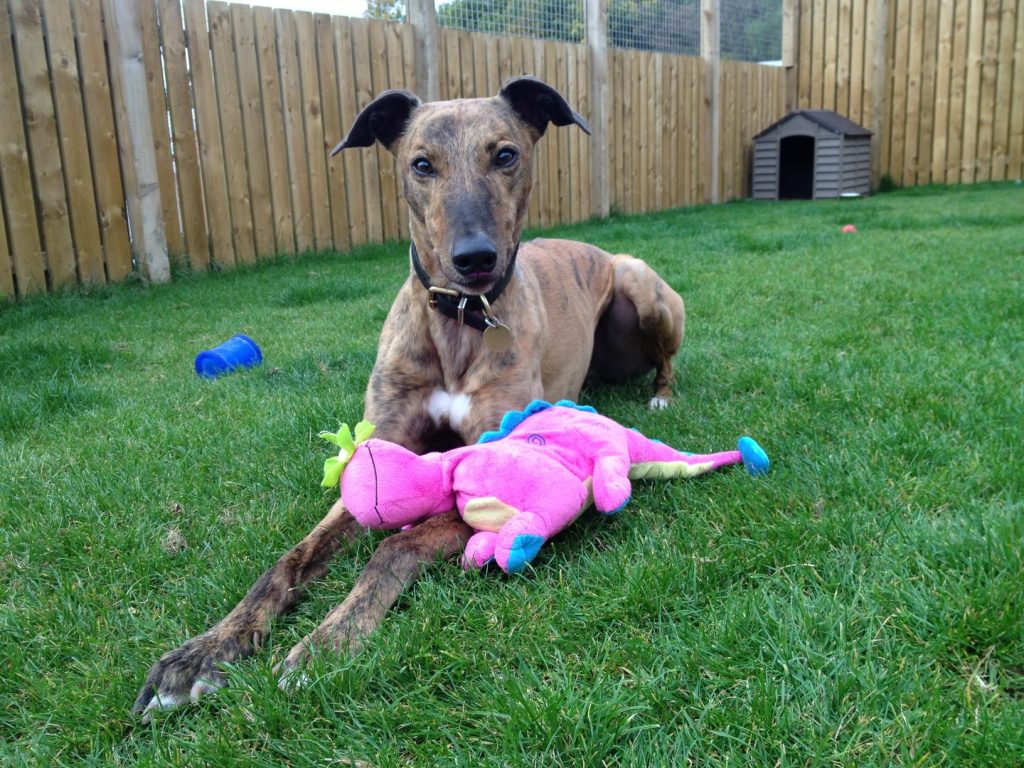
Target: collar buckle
x,y
435,292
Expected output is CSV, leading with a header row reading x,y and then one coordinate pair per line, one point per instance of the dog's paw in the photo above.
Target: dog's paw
x,y
658,403
292,678
188,672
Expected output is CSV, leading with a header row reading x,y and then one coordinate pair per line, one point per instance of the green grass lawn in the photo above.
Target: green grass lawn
x,y
863,605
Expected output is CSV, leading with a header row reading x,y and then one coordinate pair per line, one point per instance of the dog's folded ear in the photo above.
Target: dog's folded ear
x,y
384,120
538,104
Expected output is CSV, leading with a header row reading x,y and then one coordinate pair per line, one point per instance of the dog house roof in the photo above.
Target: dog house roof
x,y
826,118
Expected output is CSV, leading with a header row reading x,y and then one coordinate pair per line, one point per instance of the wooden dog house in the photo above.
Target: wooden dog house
x,y
811,154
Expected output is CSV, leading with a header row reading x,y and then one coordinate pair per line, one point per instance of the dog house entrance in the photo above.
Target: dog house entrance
x,y
796,168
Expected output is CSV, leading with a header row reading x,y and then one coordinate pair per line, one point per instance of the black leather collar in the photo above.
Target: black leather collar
x,y
469,309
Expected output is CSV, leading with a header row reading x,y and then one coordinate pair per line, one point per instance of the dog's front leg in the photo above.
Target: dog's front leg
x,y
397,562
193,669
401,558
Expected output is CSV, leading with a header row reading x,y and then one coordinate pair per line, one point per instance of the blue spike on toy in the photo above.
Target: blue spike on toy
x,y
513,419
755,460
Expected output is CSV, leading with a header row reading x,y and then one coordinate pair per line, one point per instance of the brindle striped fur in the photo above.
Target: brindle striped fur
x,y
574,310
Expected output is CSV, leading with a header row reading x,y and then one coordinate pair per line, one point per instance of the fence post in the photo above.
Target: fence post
x,y
710,51
791,50
423,17
597,43
879,86
138,157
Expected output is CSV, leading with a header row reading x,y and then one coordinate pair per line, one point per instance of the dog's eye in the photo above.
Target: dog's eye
x,y
505,157
423,167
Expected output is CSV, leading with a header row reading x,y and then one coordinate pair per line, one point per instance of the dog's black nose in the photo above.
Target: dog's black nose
x,y
474,255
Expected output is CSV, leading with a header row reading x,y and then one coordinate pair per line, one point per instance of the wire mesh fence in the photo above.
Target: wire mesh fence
x,y
548,19
751,30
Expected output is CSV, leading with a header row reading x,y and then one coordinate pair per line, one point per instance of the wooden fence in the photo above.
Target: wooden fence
x,y
940,83
243,103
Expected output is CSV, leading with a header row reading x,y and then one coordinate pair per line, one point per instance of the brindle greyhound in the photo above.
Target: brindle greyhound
x,y
482,325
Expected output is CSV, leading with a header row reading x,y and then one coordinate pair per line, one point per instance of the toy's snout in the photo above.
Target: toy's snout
x,y
388,486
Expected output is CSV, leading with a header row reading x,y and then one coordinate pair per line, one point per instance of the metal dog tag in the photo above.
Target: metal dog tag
x,y
497,336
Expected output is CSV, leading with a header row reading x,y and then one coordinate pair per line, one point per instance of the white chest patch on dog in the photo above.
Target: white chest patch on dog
x,y
445,406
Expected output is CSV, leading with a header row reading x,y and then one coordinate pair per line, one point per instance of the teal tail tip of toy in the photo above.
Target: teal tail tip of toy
x,y
755,460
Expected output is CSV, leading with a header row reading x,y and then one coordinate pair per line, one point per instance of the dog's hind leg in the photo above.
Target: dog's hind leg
x,y
398,561
193,669
661,318
641,329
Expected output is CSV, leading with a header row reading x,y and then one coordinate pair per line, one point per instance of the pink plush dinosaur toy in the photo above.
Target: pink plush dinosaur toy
x,y
518,486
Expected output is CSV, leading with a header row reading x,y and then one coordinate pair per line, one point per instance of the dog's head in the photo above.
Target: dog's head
x,y
467,171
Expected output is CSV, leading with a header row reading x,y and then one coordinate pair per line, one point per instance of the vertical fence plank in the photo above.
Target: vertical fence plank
x,y
350,161
873,52
987,93
908,172
630,134
505,69
957,89
363,81
493,67
1015,168
479,67
844,53
102,138
647,130
253,137
295,132
595,60
385,162
972,91
574,159
183,137
211,150
327,63
805,53
817,54
226,81
944,56
831,55
929,55
153,64
858,23
563,212
44,149
898,116
312,118
19,199
467,89
132,116
682,169
449,64
73,142
396,79
1004,69
274,131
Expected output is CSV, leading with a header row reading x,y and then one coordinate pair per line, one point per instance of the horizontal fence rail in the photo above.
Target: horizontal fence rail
x,y
241,105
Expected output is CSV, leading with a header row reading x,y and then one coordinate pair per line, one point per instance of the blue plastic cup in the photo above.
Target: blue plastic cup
x,y
237,352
